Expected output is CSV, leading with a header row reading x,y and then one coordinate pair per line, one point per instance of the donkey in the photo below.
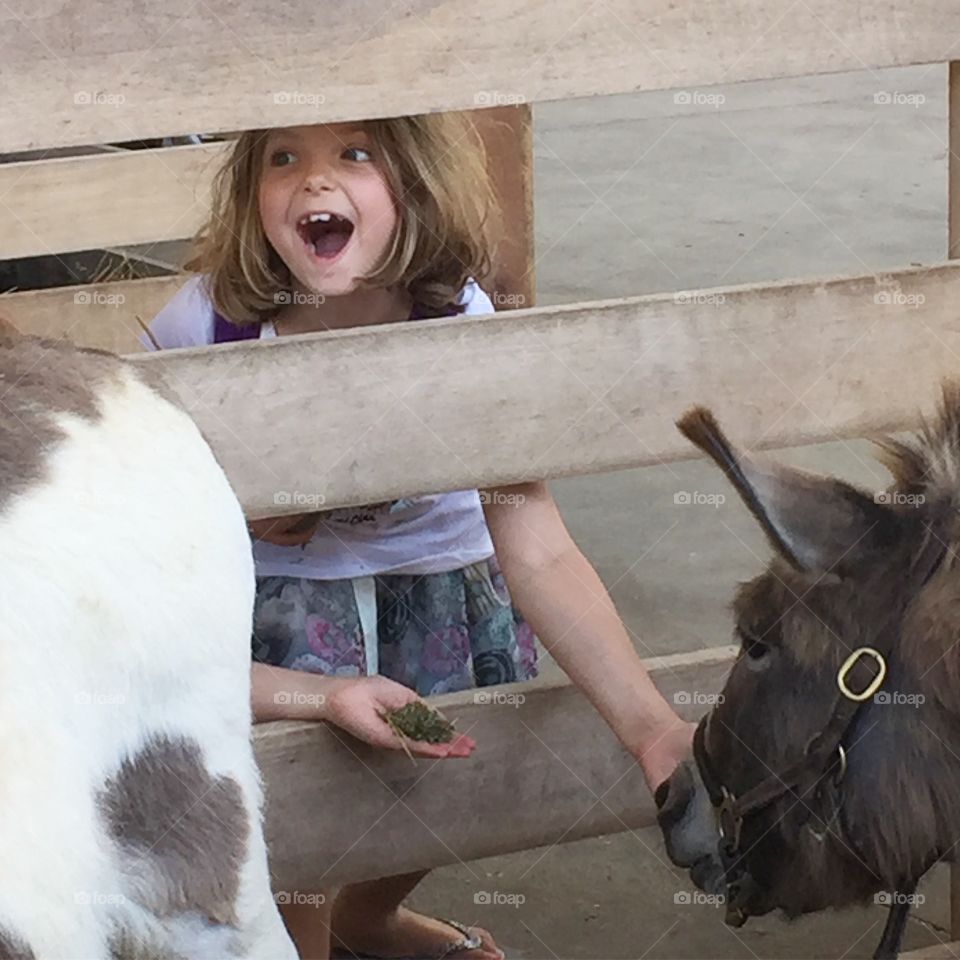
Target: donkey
x,y
829,771
131,801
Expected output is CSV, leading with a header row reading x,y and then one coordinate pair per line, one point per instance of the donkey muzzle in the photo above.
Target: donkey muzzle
x,y
689,826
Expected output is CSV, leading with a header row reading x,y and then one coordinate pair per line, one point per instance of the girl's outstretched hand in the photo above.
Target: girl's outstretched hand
x,y
357,705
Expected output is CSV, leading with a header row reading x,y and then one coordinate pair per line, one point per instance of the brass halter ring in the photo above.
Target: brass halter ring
x,y
874,684
841,773
728,822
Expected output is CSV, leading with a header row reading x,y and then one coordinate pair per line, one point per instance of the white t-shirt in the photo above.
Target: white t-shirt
x,y
416,535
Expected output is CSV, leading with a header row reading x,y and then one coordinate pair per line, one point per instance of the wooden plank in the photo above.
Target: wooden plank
x,y
100,315
938,951
67,79
359,416
85,203
953,252
546,770
953,163
507,134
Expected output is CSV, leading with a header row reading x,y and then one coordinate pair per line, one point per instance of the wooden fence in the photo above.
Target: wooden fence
x,y
543,392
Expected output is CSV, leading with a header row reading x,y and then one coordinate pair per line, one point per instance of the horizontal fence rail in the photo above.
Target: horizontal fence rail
x,y
105,200
370,414
178,68
546,769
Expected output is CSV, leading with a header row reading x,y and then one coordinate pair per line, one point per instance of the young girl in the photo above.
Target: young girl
x,y
360,610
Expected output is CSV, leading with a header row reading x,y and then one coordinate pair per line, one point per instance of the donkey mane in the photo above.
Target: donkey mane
x,y
928,463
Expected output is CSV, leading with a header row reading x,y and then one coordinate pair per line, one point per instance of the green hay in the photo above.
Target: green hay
x,y
417,721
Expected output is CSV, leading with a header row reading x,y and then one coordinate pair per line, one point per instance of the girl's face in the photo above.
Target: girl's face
x,y
325,205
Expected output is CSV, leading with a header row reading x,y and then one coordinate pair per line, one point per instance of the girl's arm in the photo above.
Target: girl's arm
x,y
558,592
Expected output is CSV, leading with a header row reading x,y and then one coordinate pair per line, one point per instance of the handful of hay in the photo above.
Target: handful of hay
x,y
417,721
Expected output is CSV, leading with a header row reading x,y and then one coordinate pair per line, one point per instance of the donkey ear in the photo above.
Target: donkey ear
x,y
814,522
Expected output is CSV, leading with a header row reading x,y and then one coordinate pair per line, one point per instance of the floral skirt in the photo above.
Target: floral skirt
x,y
435,633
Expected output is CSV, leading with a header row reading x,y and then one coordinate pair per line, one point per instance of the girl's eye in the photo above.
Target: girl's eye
x,y
281,158
357,154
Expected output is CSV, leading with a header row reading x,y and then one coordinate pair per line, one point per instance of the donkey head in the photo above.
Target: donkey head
x,y
834,769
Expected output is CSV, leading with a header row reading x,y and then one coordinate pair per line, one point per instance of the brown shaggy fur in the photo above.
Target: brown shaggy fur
x,y
889,575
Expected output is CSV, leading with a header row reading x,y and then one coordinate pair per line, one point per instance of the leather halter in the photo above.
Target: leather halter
x,y
824,760
858,679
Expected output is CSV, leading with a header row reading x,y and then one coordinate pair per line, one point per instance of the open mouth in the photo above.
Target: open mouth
x,y
325,233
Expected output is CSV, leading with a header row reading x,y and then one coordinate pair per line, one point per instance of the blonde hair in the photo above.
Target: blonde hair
x,y
436,170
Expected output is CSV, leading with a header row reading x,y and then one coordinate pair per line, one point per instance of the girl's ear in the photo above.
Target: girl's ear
x,y
814,522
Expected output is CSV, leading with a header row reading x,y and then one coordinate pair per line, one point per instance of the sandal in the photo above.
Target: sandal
x,y
466,941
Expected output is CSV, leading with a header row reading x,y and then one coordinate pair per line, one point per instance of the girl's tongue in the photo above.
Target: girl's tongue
x,y
325,233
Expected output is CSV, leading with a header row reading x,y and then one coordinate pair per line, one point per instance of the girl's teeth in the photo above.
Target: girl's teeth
x,y
322,217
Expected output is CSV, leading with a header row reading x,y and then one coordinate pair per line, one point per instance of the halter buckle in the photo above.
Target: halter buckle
x,y
850,663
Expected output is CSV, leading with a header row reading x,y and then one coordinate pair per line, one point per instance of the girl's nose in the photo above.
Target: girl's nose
x,y
318,180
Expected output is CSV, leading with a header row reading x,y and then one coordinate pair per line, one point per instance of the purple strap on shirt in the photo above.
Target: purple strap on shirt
x,y
226,332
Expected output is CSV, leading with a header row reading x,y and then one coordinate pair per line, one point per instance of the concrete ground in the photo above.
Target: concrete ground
x,y
831,175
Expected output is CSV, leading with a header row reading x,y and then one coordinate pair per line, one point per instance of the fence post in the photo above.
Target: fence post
x,y
953,252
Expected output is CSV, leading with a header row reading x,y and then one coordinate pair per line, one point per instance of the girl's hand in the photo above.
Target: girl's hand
x,y
292,531
665,748
357,706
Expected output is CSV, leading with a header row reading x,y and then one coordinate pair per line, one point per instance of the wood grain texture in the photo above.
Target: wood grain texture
x,y
953,252
507,134
364,415
939,951
953,161
106,200
76,72
100,315
546,770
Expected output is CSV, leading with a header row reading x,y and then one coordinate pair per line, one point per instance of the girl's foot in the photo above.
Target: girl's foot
x,y
403,933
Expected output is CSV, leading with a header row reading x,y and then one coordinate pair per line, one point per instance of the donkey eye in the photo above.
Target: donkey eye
x,y
755,649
